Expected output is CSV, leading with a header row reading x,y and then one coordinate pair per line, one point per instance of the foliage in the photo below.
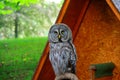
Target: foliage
x,y
9,6
19,57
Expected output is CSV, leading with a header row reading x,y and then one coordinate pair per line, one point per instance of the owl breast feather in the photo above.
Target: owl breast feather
x,y
59,57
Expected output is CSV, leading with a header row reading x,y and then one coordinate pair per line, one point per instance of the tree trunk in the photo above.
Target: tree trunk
x,y
16,26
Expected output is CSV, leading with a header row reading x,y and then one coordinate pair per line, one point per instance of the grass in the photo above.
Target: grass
x,y
19,57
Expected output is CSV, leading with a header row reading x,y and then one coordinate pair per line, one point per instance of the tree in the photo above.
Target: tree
x,y
13,6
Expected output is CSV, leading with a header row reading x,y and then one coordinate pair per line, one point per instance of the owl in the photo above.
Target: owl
x,y
62,54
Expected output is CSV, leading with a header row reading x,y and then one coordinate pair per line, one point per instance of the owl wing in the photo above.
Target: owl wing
x,y
73,58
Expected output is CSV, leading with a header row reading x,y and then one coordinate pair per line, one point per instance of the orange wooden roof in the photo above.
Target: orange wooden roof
x,y
72,14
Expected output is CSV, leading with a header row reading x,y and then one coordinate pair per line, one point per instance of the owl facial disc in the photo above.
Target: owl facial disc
x,y
60,33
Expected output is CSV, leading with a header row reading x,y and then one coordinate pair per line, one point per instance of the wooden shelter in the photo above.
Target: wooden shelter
x,y
95,25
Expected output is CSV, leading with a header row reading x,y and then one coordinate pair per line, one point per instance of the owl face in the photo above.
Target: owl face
x,y
59,33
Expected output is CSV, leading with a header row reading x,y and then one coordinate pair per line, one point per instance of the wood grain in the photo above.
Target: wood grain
x,y
98,39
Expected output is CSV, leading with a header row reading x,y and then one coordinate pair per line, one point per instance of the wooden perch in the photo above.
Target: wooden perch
x,y
67,76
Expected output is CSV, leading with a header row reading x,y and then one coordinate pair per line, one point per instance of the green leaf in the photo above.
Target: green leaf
x,y
1,5
12,5
25,2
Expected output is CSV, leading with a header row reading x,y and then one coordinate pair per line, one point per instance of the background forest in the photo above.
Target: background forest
x,y
27,18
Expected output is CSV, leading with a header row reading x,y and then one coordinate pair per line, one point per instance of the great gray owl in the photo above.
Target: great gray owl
x,y
62,53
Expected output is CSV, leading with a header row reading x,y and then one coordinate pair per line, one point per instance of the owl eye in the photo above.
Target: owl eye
x,y
55,32
62,32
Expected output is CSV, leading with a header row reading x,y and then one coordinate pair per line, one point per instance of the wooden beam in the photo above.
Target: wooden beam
x,y
114,9
62,11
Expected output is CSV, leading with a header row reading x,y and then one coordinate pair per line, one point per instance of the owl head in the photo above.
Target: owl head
x,y
59,33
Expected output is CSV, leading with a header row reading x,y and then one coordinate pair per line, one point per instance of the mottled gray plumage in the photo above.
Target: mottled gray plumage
x,y
62,51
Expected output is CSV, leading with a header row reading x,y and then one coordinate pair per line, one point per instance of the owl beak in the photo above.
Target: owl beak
x,y
59,36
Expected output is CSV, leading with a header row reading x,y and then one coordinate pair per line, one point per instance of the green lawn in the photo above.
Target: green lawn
x,y
19,57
